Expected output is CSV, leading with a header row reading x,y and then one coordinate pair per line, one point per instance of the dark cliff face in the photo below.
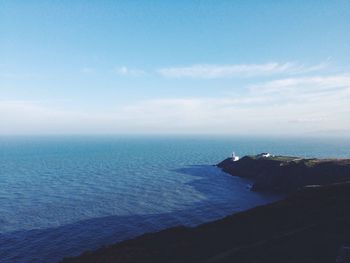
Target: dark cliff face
x,y
287,174
310,226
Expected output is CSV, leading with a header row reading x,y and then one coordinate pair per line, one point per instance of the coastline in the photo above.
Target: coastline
x,y
309,225
287,174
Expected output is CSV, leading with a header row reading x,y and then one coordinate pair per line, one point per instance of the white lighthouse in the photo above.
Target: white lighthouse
x,y
235,157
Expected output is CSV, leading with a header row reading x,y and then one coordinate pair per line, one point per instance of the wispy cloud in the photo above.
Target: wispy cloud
x,y
301,85
291,105
325,105
249,113
125,71
208,71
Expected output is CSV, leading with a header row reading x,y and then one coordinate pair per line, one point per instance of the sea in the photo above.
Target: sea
x,y
63,195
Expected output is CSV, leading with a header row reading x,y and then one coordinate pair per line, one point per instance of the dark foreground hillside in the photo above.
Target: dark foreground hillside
x,y
309,226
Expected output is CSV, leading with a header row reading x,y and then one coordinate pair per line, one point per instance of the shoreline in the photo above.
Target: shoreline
x,y
310,223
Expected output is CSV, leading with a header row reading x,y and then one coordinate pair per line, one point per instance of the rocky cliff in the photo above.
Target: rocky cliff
x,y
285,174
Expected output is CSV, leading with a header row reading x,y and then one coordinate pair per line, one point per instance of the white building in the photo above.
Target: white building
x,y
235,157
265,155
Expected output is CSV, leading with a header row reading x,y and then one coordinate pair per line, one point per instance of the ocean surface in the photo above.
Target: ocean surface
x,y
60,196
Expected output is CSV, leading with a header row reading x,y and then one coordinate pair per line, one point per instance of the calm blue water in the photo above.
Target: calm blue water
x,y
60,196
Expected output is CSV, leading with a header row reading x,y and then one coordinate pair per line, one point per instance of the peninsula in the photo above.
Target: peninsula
x,y
286,174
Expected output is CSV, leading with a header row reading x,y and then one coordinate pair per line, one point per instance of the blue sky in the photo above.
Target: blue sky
x,y
175,67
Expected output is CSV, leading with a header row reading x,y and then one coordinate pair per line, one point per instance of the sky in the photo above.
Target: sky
x,y
175,67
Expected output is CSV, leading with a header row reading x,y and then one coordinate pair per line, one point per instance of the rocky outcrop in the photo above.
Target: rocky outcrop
x,y
309,226
284,174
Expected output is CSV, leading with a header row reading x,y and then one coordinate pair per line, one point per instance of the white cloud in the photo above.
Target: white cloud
x,y
253,113
304,84
311,88
237,70
296,106
125,71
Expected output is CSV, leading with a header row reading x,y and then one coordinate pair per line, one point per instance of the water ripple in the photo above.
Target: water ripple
x,y
61,196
